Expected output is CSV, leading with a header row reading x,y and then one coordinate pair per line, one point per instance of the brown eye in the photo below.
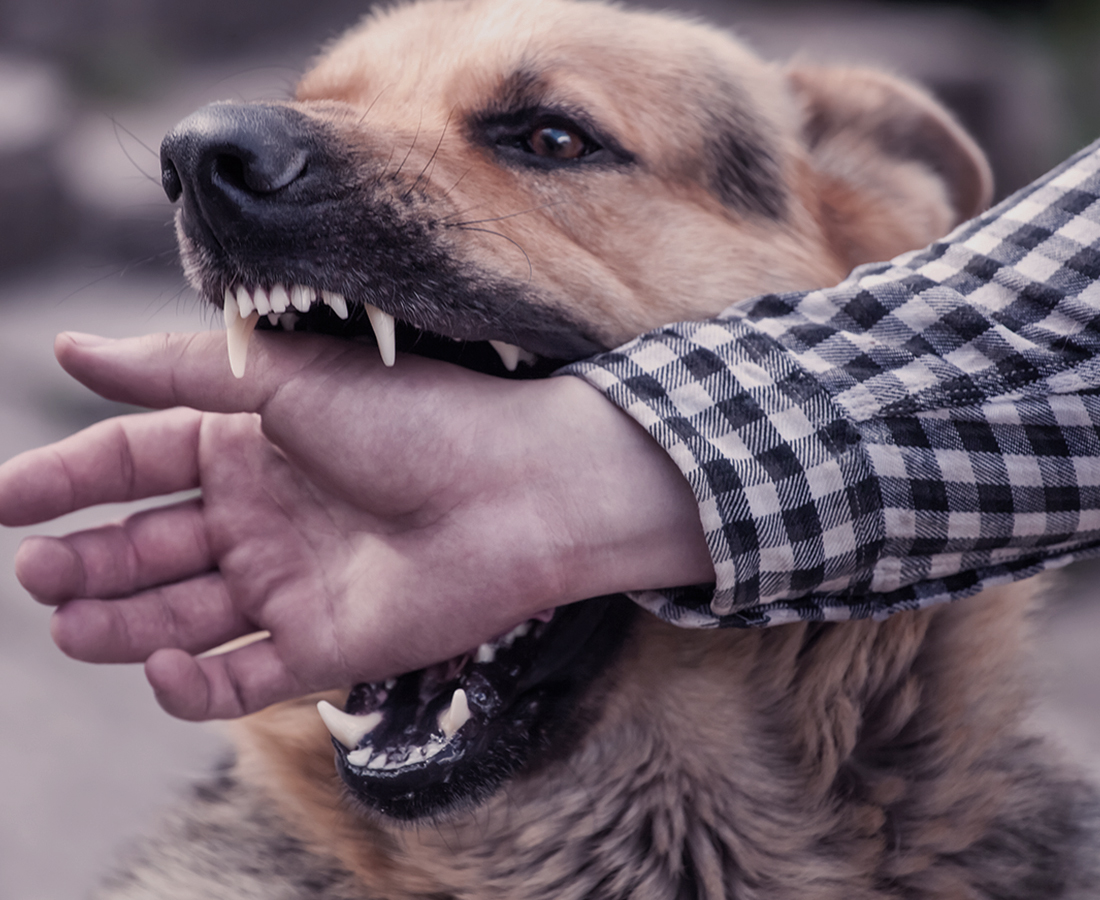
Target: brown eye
x,y
557,143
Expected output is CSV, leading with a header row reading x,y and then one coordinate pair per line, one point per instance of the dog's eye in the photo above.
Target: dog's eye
x,y
553,142
547,140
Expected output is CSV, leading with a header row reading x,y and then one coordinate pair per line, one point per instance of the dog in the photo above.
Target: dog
x,y
513,185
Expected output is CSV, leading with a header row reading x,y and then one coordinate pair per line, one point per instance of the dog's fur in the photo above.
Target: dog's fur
x,y
848,761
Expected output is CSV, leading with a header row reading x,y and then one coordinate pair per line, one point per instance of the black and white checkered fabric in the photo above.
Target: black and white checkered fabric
x,y
928,428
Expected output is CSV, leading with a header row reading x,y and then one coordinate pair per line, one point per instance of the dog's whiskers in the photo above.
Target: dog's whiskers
x,y
447,192
118,126
530,267
522,212
408,152
366,112
431,159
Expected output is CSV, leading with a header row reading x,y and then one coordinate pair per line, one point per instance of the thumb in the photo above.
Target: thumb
x,y
164,370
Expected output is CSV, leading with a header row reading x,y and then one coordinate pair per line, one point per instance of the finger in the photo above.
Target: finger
x,y
152,547
221,687
193,616
121,459
163,370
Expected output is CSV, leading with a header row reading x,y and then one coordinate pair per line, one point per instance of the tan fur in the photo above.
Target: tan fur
x,y
846,761
735,733
664,248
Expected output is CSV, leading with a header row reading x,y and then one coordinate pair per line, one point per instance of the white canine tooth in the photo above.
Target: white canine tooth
x,y
260,301
509,354
377,763
238,330
349,730
486,653
360,757
301,297
384,328
512,356
279,298
457,715
244,302
337,302
273,318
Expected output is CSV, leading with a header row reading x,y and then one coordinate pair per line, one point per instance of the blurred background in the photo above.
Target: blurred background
x,y
87,90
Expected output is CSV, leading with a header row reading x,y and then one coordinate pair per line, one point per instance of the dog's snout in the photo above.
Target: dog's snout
x,y
235,156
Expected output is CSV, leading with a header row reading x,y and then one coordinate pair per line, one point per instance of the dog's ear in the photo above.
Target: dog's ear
x,y
893,169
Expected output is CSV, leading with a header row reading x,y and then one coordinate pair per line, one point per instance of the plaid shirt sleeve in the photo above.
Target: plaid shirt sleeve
x,y
928,428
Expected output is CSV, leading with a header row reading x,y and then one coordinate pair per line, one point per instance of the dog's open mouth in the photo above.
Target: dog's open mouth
x,y
447,736
302,308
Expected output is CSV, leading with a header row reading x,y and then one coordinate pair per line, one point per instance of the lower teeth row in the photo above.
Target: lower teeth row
x,y
349,730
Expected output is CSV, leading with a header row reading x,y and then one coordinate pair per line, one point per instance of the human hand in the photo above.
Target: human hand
x,y
372,520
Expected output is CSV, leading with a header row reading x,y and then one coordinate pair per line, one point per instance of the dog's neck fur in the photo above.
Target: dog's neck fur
x,y
845,769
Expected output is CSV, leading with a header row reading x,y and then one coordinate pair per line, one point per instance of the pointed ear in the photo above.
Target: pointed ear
x,y
894,169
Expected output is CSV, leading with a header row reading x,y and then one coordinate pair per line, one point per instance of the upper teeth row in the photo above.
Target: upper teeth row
x,y
279,300
243,309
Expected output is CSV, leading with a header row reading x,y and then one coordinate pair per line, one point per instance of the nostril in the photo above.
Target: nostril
x,y
230,170
170,181
254,173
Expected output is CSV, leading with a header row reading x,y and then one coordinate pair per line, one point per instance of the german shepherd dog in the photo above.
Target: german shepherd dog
x,y
512,185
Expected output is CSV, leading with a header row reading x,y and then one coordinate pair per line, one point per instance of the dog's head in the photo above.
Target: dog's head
x,y
511,185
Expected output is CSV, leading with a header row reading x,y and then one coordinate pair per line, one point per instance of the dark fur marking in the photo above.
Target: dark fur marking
x,y
745,174
744,171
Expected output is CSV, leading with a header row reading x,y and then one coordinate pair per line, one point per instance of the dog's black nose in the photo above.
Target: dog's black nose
x,y
233,156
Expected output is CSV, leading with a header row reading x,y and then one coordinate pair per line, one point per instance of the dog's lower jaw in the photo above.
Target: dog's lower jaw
x,y
848,778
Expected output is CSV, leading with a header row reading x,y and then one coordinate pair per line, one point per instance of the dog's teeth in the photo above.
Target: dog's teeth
x,y
383,325
456,715
279,298
238,330
301,297
273,318
511,355
361,757
519,631
486,653
337,302
349,730
377,763
288,321
261,302
244,302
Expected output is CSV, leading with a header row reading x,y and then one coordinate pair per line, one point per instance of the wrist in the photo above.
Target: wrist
x,y
620,515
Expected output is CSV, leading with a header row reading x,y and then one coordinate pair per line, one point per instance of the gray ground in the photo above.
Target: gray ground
x,y
86,756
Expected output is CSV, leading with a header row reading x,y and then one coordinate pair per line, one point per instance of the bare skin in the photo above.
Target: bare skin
x,y
372,520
